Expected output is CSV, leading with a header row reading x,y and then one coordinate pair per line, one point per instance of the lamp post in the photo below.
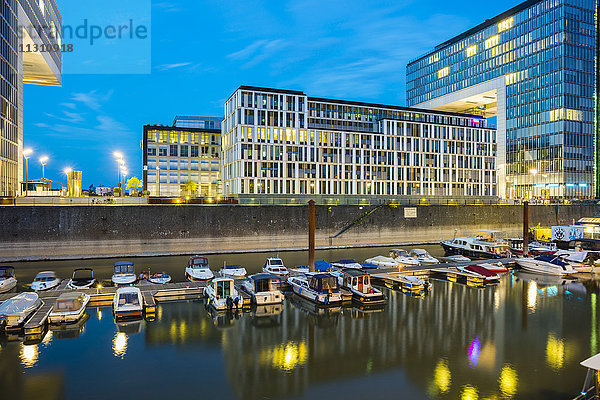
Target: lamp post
x,y
533,172
124,180
158,178
43,161
67,172
27,154
119,159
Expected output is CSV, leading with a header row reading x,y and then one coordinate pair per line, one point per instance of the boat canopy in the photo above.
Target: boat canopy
x,y
7,272
323,266
68,302
198,261
262,277
275,261
350,261
592,362
368,265
323,283
353,272
123,267
552,259
233,267
18,304
83,274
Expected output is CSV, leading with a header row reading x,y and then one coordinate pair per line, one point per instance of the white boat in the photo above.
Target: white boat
x,y
385,262
351,263
581,260
498,268
8,281
123,274
414,283
359,284
403,258
222,294
16,310
456,258
275,266
550,265
303,270
83,278
198,270
159,278
423,257
263,288
233,271
44,281
486,244
68,307
128,303
320,288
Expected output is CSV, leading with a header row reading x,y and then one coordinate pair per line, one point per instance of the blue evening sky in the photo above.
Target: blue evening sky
x,y
202,50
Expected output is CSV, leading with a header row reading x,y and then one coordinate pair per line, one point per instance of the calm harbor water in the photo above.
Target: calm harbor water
x,y
523,339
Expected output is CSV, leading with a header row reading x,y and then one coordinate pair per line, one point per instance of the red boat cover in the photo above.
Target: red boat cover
x,y
478,269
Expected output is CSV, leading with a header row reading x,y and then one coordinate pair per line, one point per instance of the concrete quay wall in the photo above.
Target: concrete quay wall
x,y
30,233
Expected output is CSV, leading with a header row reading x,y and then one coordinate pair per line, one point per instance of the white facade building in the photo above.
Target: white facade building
x,y
282,142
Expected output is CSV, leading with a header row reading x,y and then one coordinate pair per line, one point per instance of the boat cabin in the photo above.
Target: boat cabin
x,y
7,272
358,280
69,302
223,287
265,282
83,274
395,253
123,267
323,283
198,262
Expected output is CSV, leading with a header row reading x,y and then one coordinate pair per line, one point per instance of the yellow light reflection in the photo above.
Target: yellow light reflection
x,y
532,295
173,331
555,352
469,393
182,330
29,355
99,314
47,338
286,357
120,344
442,377
508,381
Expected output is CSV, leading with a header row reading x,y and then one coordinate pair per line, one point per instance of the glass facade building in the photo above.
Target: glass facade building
x,y
173,156
26,25
189,121
283,143
533,68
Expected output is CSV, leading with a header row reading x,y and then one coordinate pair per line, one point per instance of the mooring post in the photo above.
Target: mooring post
x,y
525,228
311,236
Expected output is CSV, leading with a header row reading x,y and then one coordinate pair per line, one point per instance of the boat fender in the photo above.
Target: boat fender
x,y
237,302
229,302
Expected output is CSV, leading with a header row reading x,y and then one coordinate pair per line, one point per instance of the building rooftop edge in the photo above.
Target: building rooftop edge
x,y
487,23
177,128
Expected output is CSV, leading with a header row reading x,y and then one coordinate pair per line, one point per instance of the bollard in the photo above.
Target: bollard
x,y
311,236
525,228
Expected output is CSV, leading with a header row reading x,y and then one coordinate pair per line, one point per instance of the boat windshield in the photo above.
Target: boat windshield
x,y
199,262
6,272
263,285
129,299
124,269
324,283
43,278
83,274
275,262
67,305
401,253
223,289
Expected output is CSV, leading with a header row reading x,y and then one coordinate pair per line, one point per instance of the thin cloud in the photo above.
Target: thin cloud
x,y
167,67
93,99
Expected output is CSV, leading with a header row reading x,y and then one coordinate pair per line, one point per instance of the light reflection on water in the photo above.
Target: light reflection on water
x,y
509,341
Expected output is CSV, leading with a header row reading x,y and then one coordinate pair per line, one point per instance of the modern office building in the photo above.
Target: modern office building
x,y
27,27
282,142
533,68
189,121
181,154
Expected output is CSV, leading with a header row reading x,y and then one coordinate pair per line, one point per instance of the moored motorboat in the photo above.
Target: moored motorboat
x,y
414,283
581,260
320,288
16,310
533,248
551,265
128,303
423,257
480,271
83,278
275,266
381,261
402,257
486,244
263,289
359,284
351,263
68,307
455,258
198,270
159,278
8,281
222,294
44,281
498,268
123,273
233,271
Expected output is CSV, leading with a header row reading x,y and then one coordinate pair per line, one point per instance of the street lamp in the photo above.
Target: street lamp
x,y
119,159
27,154
67,171
533,172
43,161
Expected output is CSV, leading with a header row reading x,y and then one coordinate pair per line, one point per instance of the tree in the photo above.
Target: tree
x,y
117,191
134,183
190,188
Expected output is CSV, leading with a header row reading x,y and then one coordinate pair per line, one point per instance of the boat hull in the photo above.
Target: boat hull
x,y
541,267
318,298
482,255
199,277
7,285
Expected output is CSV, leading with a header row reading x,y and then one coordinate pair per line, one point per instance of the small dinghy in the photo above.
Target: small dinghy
x,y
69,307
414,283
498,268
44,281
15,311
123,274
359,284
320,288
83,278
222,294
275,266
198,270
385,262
159,278
233,271
343,264
403,258
423,257
8,281
481,272
264,289
128,303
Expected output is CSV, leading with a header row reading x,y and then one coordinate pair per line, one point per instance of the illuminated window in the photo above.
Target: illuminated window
x,y
511,78
434,59
506,24
152,136
162,138
492,41
471,51
443,72
173,137
194,138
565,114
183,137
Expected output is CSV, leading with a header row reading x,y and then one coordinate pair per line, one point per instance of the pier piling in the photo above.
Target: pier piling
x,y
311,236
525,228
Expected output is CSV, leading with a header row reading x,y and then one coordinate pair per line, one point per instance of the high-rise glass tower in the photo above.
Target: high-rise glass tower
x,y
534,69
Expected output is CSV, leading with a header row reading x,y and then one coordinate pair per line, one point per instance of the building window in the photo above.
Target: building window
x,y
151,136
151,151
443,72
173,150
194,152
184,151
506,24
471,50
492,41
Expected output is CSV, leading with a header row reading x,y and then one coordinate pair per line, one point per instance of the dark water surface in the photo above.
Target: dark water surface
x,y
522,339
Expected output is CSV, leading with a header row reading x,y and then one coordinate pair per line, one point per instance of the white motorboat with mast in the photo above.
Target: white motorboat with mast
x,y
233,271
275,266
68,307
198,270
263,288
222,294
45,281
402,257
124,274
83,278
16,310
546,264
8,281
486,244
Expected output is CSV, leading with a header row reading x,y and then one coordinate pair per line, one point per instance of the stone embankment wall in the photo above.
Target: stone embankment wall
x,y
100,231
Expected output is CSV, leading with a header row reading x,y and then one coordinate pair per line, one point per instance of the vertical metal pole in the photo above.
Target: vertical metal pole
x,y
525,228
26,176
119,172
311,236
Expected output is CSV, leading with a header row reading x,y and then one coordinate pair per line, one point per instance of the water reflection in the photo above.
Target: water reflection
x,y
469,393
474,351
555,352
508,381
119,345
29,355
442,378
286,357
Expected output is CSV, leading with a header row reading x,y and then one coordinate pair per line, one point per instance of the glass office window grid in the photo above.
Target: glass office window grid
x,y
178,155
545,50
187,121
274,144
